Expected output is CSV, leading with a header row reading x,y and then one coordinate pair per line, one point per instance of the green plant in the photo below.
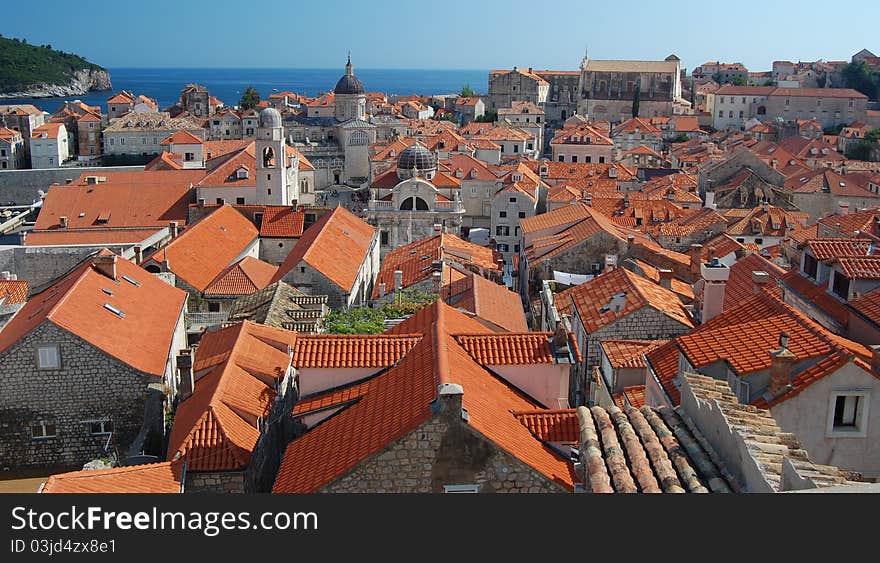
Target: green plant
x,y
491,116
249,99
682,138
467,92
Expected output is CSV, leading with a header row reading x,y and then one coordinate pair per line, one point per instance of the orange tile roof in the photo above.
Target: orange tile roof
x,y
663,361
859,268
126,199
154,478
691,223
216,428
399,399
508,348
120,98
246,276
182,138
807,377
768,221
76,303
826,249
740,286
588,298
635,396
816,294
351,351
551,425
635,125
282,221
52,130
629,353
868,306
490,301
330,399
13,292
336,246
225,168
207,247
415,259
577,135
681,288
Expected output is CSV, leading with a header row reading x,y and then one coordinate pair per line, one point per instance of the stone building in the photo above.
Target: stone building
x,y
336,136
515,201
141,134
618,305
13,151
607,88
49,146
437,371
337,256
195,100
517,85
24,118
90,362
416,205
562,95
581,144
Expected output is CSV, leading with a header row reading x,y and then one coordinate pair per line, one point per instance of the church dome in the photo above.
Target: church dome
x,y
416,156
270,118
349,83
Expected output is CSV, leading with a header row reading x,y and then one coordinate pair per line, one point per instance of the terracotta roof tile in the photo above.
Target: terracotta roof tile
x,y
740,285
182,138
351,351
826,249
162,477
397,400
629,353
13,292
663,360
487,300
216,428
336,246
508,348
206,248
550,425
859,268
591,297
282,221
77,303
242,278
868,305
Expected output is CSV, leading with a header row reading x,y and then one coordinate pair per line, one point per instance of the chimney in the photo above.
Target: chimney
x,y
398,280
844,207
630,241
781,362
138,254
185,373
438,227
4,276
448,402
63,221
760,279
666,278
173,229
381,289
875,359
106,264
437,281
715,276
696,253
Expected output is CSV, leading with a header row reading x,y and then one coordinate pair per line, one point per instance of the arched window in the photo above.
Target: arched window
x,y
414,202
268,158
153,269
358,138
304,186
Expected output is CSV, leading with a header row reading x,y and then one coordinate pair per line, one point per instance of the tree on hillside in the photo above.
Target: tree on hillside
x,y
249,99
467,92
637,99
738,81
858,76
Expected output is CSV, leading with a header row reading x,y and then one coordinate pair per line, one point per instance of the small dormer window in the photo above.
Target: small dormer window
x,y
241,173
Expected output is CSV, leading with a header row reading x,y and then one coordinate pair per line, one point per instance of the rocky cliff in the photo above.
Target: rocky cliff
x,y
81,81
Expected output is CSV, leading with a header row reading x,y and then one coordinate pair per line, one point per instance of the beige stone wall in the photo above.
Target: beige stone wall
x,y
214,482
438,453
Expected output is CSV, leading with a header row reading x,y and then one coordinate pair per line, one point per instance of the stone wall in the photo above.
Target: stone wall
x,y
441,453
41,266
22,186
90,385
214,482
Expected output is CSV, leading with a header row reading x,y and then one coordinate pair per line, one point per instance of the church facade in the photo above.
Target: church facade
x,y
337,145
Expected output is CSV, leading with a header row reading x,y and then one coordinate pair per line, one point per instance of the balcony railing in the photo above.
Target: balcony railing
x,y
206,319
439,207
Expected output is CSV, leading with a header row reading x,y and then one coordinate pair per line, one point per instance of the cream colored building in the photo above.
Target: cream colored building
x,y
141,134
50,146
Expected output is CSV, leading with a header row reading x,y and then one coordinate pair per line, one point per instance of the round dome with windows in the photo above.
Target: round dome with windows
x,y
416,161
349,84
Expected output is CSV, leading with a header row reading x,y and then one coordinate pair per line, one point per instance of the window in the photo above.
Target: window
x,y
502,214
48,357
721,113
562,158
841,285
811,266
143,140
220,201
43,429
122,140
522,214
100,427
383,238
512,200
502,248
213,307
848,413
239,201
2,152
515,148
516,248
759,241
502,230
473,488
574,158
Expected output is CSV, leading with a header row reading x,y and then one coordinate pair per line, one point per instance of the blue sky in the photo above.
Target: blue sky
x,y
471,34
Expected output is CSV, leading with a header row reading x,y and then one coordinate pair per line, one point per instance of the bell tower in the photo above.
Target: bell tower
x,y
272,184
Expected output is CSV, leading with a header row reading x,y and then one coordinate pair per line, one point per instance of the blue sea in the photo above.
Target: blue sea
x,y
164,84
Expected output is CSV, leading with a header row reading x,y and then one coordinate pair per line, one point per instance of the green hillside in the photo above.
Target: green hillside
x,y
23,65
